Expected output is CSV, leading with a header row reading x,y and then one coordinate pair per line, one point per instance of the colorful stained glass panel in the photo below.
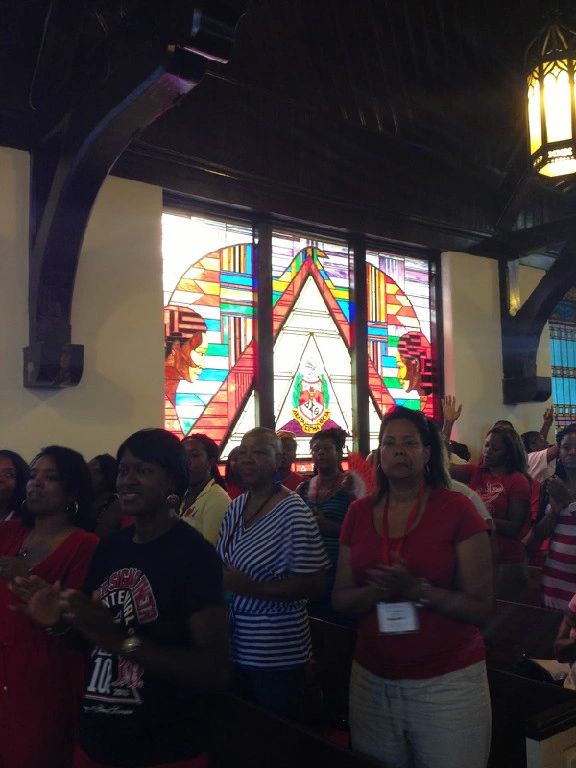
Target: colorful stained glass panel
x,y
312,366
208,309
402,370
563,362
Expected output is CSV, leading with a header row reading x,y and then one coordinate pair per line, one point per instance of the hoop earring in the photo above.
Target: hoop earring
x,y
173,501
23,506
74,507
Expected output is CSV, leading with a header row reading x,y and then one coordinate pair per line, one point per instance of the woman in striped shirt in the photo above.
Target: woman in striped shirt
x,y
559,524
328,494
274,562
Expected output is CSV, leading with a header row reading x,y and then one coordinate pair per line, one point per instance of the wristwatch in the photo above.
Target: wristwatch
x,y
129,645
572,507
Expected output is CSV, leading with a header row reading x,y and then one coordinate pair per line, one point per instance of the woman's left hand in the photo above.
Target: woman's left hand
x,y
92,618
235,580
395,581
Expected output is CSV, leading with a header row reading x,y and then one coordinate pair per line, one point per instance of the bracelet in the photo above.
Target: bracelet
x,y
58,630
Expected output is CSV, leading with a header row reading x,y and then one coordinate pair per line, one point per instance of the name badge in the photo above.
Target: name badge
x,y
397,618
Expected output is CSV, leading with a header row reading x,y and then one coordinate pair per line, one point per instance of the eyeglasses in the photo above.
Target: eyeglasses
x,y
8,474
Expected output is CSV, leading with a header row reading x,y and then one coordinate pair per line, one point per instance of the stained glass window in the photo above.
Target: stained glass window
x,y
401,369
209,314
312,366
563,362
208,317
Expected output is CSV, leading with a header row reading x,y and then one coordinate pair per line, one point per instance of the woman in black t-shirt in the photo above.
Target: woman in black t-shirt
x,y
156,620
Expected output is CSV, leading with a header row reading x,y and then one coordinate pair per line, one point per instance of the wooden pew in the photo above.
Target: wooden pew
x,y
525,709
246,736
518,630
521,707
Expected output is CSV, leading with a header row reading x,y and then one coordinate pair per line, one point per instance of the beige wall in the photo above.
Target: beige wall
x,y
473,348
117,315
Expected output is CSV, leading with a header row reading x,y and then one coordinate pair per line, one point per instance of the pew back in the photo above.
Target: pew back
x,y
249,737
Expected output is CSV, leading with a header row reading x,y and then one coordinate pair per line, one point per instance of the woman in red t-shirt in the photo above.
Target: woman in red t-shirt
x,y
415,559
503,483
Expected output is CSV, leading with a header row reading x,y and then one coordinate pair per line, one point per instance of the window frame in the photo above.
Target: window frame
x,y
263,227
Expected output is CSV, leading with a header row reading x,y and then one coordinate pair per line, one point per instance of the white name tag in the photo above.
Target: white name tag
x,y
397,618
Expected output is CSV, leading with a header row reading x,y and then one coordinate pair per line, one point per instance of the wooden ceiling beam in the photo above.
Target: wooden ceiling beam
x,y
69,167
521,331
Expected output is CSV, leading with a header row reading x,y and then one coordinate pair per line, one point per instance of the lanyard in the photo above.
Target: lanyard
x,y
241,521
388,548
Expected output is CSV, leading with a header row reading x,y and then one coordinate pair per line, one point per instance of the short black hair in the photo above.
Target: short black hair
x,y
336,435
158,446
459,449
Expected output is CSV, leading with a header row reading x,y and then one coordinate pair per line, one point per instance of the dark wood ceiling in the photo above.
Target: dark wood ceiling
x,y
370,89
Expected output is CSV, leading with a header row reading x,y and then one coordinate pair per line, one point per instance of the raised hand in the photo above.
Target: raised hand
x,y
451,411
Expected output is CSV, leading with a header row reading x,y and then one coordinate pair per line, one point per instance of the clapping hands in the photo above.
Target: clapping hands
x,y
394,582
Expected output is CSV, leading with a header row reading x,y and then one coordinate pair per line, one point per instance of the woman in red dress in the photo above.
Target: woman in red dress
x,y
40,678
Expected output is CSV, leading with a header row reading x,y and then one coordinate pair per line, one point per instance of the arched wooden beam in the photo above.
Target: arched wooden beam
x,y
521,331
69,167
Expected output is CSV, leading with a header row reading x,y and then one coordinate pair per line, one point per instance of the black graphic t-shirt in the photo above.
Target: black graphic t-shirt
x,y
130,717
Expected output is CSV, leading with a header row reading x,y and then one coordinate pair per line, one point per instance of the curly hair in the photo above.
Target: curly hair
x,y
336,435
436,471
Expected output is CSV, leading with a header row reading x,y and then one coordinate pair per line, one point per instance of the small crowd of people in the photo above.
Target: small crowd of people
x,y
132,588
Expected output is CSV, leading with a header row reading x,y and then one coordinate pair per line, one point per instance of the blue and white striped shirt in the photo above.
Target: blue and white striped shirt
x,y
285,542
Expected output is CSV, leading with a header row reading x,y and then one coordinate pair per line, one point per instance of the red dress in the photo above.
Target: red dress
x,y
41,679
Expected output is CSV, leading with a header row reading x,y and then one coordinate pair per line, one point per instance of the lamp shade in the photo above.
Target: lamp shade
x,y
552,102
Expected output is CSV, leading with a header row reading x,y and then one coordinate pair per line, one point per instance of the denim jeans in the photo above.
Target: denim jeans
x,y
438,722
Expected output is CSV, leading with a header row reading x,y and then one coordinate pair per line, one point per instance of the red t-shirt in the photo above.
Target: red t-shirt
x,y
441,644
497,491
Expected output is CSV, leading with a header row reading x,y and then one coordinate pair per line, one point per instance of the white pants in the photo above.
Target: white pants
x,y
439,722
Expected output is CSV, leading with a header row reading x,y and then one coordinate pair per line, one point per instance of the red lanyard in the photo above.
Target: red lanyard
x,y
388,548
